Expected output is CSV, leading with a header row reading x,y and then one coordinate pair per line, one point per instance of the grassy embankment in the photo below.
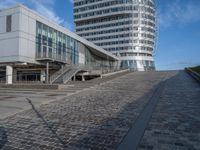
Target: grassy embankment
x,y
196,69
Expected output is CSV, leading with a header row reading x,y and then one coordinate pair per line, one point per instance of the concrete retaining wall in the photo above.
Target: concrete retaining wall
x,y
112,73
30,86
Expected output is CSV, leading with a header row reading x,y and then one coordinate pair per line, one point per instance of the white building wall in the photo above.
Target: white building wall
x,y
19,45
9,41
27,41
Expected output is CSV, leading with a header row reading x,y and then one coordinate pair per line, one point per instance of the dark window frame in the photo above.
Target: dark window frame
x,y
8,23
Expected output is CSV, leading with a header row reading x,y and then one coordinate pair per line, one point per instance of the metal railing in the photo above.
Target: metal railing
x,y
66,72
194,74
52,56
70,74
57,74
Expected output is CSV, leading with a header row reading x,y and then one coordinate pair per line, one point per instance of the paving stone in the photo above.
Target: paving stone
x,y
175,123
100,117
97,118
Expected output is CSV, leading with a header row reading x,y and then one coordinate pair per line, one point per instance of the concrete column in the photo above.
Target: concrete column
x,y
83,78
9,74
42,76
47,73
62,67
74,78
140,66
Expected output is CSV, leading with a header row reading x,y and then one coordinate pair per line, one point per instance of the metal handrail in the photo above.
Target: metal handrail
x,y
70,74
64,73
57,74
53,56
194,74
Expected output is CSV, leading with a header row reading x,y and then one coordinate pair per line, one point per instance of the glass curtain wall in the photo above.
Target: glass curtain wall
x,y
96,62
54,45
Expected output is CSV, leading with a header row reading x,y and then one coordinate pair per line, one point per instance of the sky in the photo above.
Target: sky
x,y
178,42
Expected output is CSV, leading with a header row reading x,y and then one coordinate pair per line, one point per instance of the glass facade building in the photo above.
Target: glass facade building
x,y
54,45
127,28
41,50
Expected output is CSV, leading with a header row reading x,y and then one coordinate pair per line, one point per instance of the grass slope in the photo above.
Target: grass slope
x,y
196,69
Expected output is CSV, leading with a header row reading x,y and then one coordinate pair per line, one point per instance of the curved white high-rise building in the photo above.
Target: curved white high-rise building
x,y
127,28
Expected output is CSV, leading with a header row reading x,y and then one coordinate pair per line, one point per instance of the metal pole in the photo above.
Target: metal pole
x,y
62,68
47,73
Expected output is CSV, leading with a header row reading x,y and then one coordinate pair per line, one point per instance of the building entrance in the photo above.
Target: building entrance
x,y
28,75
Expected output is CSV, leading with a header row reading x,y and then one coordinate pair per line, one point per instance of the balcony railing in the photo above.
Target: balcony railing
x,y
52,56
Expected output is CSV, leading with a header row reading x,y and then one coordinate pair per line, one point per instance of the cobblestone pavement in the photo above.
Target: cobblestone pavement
x,y
101,116
13,100
97,118
175,123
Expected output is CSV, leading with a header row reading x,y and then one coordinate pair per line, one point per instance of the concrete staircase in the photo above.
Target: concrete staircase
x,y
70,74
64,75
59,73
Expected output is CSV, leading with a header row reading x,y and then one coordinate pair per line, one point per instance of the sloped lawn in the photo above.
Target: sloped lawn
x,y
196,69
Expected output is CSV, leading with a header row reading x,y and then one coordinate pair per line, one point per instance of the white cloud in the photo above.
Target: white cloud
x,y
68,26
43,7
8,3
179,13
71,1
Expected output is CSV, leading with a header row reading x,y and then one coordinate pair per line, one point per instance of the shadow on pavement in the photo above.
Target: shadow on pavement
x,y
46,123
3,137
111,132
107,133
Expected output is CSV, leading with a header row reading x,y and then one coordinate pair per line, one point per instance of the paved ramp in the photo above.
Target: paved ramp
x,y
175,122
106,116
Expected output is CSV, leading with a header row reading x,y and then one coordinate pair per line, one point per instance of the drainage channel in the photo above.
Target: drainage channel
x,y
135,134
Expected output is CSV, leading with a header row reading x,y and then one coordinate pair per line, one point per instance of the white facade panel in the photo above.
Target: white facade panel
x,y
24,24
9,41
27,36
9,50
15,22
2,24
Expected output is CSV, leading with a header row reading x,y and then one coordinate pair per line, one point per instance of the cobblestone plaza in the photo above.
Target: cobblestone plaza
x,y
100,114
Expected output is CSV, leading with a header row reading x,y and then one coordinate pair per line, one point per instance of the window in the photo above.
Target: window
x,y
8,23
44,40
44,51
51,43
